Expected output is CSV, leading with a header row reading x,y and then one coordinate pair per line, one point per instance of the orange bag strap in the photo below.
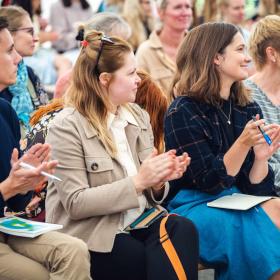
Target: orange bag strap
x,y
170,251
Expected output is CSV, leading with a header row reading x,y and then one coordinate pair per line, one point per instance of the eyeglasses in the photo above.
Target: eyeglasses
x,y
29,30
103,39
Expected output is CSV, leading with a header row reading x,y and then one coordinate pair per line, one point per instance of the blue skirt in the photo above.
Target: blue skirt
x,y
243,245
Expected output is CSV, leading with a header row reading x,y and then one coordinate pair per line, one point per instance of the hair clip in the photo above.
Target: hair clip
x,y
84,43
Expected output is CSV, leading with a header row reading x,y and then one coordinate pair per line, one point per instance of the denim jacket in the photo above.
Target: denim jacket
x,y
194,127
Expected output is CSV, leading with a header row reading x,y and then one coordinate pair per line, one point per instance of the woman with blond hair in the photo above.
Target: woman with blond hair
x,y
215,120
157,55
264,47
268,7
111,174
140,15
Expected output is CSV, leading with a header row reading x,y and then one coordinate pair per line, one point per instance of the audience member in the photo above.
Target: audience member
x,y
211,119
268,7
52,255
115,6
150,97
265,50
157,55
27,93
65,16
108,165
45,61
141,17
233,11
110,24
209,11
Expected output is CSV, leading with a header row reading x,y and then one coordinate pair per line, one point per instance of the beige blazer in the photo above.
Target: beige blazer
x,y
151,58
95,188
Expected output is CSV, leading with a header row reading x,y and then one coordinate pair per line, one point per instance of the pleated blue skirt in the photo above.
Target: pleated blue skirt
x,y
240,245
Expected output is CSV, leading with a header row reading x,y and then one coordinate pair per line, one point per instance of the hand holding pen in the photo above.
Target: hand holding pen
x,y
22,180
268,143
265,136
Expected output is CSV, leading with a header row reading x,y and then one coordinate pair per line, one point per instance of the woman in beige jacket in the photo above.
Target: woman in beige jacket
x,y
110,172
157,55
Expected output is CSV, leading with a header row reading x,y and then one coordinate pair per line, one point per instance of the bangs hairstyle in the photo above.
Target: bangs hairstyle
x,y
265,34
85,92
197,76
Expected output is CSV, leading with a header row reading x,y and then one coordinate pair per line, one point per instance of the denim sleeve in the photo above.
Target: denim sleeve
x,y
187,133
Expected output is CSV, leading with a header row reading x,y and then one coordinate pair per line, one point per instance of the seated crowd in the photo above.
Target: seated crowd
x,y
157,109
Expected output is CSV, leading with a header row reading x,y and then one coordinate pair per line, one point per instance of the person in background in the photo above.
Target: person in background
x,y
114,6
45,61
65,16
109,165
27,94
212,120
209,11
52,255
233,11
151,98
110,24
264,47
268,7
157,55
141,17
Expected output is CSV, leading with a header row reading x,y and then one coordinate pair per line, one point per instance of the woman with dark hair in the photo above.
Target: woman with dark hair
x,y
64,16
212,120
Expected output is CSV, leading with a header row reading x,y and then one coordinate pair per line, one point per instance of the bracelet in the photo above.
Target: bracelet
x,y
161,187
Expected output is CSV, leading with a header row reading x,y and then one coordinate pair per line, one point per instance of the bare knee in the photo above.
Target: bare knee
x,y
272,209
275,276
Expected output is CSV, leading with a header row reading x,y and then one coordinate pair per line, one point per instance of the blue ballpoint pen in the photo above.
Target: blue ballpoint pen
x,y
266,137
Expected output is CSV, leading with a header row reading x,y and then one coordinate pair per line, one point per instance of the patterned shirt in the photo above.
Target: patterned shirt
x,y
271,115
195,128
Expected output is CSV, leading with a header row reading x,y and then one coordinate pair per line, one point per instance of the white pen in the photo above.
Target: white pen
x,y
31,167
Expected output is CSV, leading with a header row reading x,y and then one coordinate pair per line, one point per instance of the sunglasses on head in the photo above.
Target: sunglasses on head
x,y
103,39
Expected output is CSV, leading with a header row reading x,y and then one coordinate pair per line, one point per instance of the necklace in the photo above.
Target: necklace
x,y
229,115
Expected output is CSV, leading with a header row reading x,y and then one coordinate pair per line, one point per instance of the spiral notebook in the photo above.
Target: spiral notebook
x,y
238,201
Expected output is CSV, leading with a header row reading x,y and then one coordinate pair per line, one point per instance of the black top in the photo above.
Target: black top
x,y
9,139
226,118
200,130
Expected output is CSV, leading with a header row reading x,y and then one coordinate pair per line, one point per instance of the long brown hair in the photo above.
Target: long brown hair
x,y
151,98
85,92
197,76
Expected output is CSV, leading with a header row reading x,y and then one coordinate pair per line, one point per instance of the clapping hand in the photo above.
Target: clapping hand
x,y
22,180
157,169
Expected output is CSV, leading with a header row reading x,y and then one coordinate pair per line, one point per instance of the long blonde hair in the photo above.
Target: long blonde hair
x,y
135,16
85,92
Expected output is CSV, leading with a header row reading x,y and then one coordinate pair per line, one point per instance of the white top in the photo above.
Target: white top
x,y
116,124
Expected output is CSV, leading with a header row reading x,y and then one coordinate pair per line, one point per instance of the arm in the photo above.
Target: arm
x,y
104,191
81,185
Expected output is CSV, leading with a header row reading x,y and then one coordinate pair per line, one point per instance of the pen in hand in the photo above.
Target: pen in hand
x,y
31,167
266,137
